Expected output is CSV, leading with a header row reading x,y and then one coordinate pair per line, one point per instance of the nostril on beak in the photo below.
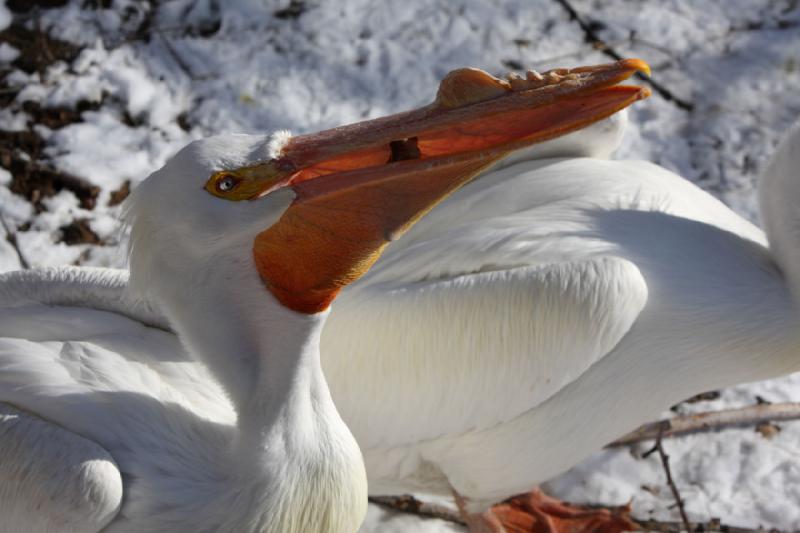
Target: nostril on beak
x,y
404,150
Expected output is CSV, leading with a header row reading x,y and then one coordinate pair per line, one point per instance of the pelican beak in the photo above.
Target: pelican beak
x,y
360,186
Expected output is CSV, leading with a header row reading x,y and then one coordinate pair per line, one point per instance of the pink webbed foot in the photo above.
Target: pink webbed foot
x,y
535,512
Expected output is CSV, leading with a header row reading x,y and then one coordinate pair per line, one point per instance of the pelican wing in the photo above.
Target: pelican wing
x,y
76,331
451,356
52,479
93,386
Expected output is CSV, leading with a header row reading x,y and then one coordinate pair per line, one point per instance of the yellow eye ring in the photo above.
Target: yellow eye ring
x,y
246,183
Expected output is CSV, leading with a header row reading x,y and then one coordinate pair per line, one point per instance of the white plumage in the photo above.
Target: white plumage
x,y
551,306
120,429
541,311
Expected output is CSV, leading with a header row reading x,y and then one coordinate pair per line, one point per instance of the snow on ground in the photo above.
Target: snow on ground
x,y
150,76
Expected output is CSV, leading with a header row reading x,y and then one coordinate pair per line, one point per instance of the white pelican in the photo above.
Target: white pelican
x,y
239,244
552,305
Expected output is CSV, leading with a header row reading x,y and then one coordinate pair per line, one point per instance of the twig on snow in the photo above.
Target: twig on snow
x,y
633,40
599,44
184,66
712,421
42,42
11,237
713,525
671,482
409,504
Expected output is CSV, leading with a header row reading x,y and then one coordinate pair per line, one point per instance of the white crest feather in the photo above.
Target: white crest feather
x,y
277,141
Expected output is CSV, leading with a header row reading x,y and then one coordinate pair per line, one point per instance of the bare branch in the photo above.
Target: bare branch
x,y
713,525
184,66
712,421
599,44
671,482
411,505
11,237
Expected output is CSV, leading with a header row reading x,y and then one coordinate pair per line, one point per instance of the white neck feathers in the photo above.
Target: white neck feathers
x,y
294,465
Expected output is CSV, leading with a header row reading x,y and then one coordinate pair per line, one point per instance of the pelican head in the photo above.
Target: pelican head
x,y
181,233
314,211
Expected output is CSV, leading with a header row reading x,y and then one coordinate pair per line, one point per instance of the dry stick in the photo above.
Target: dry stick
x,y
12,240
410,505
665,463
712,421
43,46
713,525
178,59
581,52
592,37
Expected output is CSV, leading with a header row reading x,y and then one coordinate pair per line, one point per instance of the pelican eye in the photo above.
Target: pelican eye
x,y
246,183
226,183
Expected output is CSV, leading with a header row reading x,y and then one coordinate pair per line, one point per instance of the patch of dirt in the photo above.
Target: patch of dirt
x,y
37,49
768,430
293,11
24,6
79,232
36,180
58,117
118,196
21,152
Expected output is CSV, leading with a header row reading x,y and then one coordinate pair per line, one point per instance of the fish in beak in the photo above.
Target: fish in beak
x,y
360,186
